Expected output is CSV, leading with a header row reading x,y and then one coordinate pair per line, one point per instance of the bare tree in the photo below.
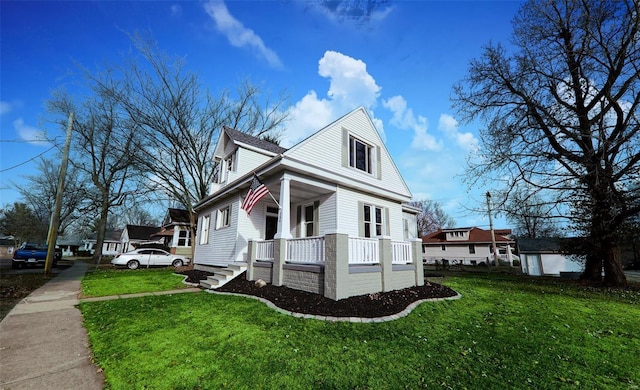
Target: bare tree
x,y
40,193
180,121
432,217
105,148
531,214
561,114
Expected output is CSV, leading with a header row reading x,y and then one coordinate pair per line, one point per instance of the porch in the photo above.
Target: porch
x,y
336,265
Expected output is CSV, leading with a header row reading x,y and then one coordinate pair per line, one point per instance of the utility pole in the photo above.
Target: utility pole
x,y
493,235
52,237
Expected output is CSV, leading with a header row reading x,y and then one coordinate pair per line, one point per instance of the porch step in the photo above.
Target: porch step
x,y
222,276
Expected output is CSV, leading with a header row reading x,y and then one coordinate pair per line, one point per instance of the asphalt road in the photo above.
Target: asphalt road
x,y
5,268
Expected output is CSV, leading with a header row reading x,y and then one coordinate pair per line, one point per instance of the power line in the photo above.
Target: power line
x,y
29,160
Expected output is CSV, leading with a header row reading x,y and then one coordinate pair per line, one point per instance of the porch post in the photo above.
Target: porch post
x,y
336,266
251,256
279,258
284,211
416,250
386,264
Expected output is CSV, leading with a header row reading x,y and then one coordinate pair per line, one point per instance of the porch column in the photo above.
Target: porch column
x,y
336,266
279,258
251,257
416,248
386,258
284,211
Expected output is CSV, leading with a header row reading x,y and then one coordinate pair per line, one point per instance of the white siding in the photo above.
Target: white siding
x,y
247,161
348,217
218,251
325,149
553,264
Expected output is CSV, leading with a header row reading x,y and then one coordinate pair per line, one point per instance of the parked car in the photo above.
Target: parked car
x,y
148,257
33,254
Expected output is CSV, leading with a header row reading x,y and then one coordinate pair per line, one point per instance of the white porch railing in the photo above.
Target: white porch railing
x,y
363,251
401,252
264,250
305,250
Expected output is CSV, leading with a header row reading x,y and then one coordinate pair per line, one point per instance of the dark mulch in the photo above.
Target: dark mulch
x,y
366,306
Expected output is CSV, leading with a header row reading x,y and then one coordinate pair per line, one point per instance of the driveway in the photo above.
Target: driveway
x,y
632,276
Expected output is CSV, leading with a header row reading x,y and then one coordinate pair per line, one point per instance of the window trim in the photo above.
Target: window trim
x,y
352,159
205,225
221,221
373,223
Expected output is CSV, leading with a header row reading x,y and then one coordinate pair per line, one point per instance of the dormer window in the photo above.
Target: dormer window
x,y
360,155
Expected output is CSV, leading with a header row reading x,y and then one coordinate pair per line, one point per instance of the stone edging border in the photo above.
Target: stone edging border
x,y
392,317
270,304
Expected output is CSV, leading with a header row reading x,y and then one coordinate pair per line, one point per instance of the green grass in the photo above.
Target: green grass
x,y
504,333
124,281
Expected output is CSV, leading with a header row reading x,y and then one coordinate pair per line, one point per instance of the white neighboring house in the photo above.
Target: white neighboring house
x,y
110,247
467,246
176,232
544,256
335,223
134,235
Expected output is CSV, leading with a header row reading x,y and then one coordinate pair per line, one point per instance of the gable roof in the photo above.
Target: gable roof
x,y
476,235
247,139
141,232
548,245
177,216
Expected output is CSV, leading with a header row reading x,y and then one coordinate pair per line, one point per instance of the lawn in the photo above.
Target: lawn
x,y
105,282
504,333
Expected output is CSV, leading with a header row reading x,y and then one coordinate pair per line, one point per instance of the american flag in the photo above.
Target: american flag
x,y
256,192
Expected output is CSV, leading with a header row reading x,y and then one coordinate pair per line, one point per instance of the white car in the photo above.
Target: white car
x,y
148,257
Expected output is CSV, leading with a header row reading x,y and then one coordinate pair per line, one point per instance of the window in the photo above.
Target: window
x,y
373,223
223,217
184,238
472,249
308,220
443,247
360,155
204,229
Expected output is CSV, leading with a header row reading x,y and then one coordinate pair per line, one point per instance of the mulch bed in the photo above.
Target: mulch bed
x,y
367,306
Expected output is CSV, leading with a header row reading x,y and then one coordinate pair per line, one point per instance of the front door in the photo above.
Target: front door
x,y
271,227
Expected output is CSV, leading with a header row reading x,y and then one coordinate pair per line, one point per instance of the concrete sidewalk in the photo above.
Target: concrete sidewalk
x,y
43,344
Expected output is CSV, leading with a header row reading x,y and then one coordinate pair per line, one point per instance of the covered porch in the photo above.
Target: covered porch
x,y
335,265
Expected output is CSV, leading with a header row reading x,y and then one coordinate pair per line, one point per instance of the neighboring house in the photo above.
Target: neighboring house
x,y
545,256
176,232
69,245
134,235
335,221
7,246
467,246
111,245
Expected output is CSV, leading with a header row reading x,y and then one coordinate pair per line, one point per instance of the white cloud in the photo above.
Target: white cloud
x,y
5,107
404,118
176,10
350,11
449,125
237,34
350,86
30,134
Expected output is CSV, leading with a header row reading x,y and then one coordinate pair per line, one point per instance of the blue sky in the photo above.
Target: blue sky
x,y
397,59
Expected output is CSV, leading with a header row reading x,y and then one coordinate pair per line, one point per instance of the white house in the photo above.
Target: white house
x,y
134,235
545,256
111,245
176,232
335,221
467,246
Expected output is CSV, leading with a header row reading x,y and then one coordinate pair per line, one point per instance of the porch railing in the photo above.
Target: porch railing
x,y
305,250
401,252
264,250
363,251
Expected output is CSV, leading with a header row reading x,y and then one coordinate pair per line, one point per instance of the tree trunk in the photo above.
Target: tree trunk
x,y
592,268
102,229
613,272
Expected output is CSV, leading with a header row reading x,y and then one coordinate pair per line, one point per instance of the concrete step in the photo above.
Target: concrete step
x,y
222,276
